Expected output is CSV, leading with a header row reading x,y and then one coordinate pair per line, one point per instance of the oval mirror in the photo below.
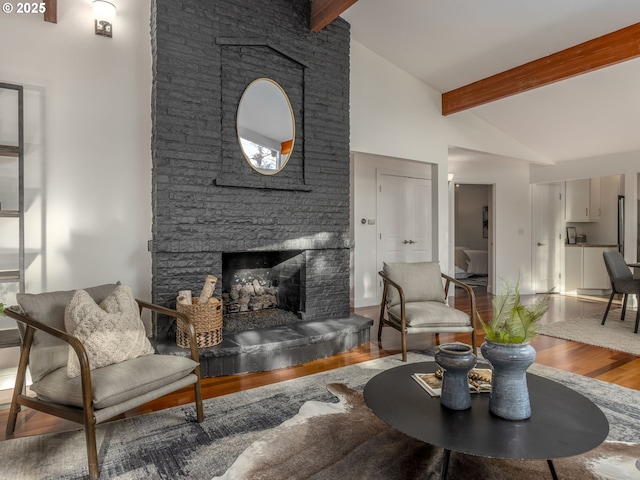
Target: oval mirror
x,y
266,126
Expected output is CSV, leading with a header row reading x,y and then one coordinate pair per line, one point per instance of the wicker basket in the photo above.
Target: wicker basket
x,y
207,320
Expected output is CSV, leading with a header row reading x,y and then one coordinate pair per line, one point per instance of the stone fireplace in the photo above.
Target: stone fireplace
x,y
211,210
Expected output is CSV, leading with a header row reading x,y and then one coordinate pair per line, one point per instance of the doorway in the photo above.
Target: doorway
x,y
473,228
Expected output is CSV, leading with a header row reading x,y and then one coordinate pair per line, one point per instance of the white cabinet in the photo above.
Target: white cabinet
x,y
594,200
594,272
572,269
585,271
582,200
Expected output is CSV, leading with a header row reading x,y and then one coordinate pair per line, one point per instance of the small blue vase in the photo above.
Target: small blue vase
x,y
509,392
456,359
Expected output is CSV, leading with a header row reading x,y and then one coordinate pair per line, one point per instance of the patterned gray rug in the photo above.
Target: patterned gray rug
x,y
171,445
614,334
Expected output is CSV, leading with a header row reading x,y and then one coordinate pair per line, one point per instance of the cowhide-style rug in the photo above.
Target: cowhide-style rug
x,y
171,445
346,440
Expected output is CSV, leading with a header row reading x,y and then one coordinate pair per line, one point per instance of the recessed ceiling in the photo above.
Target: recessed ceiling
x,y
448,44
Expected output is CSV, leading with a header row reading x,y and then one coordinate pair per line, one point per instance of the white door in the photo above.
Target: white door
x,y
547,236
404,220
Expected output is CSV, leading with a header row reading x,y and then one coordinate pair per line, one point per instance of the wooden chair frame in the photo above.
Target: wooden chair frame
x,y
84,415
402,328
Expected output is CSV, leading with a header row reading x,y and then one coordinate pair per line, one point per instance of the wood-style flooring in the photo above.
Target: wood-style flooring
x,y
601,363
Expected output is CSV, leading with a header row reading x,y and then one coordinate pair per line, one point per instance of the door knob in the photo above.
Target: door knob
x,y
405,242
541,244
412,242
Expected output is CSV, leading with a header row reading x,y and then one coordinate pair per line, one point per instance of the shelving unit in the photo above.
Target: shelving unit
x,y
12,209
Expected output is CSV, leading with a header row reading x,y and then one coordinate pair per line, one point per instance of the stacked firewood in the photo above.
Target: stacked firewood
x,y
185,297
250,297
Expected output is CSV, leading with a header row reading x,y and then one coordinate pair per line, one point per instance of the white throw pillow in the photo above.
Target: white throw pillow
x,y
110,332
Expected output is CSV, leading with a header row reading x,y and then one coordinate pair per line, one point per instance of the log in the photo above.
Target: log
x,y
235,292
184,297
247,290
208,288
258,288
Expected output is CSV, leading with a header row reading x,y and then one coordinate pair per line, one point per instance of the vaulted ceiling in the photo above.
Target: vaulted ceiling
x,y
453,43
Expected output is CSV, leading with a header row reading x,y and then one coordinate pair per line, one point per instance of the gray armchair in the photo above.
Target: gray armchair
x,y
97,395
622,281
414,301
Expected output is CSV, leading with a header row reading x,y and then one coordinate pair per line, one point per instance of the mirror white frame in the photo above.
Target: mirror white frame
x,y
265,126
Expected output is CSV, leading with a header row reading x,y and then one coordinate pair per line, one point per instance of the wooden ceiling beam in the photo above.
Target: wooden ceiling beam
x,y
598,53
323,12
51,11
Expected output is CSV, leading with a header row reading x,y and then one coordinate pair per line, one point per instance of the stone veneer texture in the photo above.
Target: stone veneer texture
x,y
206,198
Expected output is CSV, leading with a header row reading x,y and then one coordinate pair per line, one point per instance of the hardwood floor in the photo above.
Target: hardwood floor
x,y
604,364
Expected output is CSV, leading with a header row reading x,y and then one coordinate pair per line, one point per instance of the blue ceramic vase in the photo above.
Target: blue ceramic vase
x,y
509,392
456,359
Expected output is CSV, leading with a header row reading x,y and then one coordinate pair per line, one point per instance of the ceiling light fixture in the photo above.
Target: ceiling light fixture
x,y
104,13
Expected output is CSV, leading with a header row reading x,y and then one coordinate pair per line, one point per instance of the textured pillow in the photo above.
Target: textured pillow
x,y
49,353
420,282
110,332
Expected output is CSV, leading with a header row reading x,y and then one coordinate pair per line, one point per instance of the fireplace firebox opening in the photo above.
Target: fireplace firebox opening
x,y
261,289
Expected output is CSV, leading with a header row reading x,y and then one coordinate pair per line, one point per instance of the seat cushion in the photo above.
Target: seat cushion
x,y
110,332
115,383
420,282
430,314
49,353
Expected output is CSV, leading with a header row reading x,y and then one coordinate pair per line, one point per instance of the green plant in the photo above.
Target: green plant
x,y
1,309
513,322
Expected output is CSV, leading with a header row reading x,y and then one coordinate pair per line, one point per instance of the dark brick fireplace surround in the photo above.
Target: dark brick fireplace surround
x,y
207,201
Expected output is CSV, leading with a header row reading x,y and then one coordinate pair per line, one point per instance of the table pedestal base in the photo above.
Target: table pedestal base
x,y
447,456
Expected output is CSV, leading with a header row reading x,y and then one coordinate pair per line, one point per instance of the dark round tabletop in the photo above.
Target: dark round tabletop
x,y
562,423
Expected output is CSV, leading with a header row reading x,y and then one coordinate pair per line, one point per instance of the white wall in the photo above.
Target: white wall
x,y
364,179
511,214
395,115
88,157
627,164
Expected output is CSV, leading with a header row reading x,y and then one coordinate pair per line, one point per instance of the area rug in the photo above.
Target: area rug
x,y
614,334
346,440
170,445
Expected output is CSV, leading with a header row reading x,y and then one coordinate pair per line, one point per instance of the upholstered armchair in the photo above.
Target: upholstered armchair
x,y
414,301
73,381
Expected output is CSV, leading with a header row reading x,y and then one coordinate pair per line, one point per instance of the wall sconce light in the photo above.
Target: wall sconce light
x,y
104,13
450,177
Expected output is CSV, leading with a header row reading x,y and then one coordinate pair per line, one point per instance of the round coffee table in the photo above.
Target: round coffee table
x,y
563,422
